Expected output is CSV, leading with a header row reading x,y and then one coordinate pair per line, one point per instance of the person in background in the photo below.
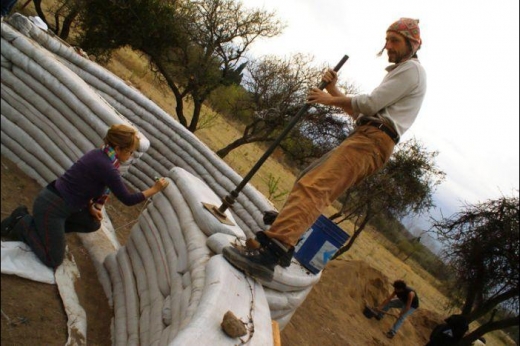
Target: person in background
x,y
450,332
381,118
404,298
74,201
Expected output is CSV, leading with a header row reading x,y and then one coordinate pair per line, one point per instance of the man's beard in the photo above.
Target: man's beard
x,y
396,57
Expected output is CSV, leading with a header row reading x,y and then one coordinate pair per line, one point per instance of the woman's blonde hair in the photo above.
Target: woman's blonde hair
x,y
123,136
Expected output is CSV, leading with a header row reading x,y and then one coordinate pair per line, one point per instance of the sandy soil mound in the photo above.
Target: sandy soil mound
x,y
332,314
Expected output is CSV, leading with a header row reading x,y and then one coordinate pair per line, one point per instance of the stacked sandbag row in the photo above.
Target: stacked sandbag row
x,y
290,286
171,144
167,290
49,118
60,115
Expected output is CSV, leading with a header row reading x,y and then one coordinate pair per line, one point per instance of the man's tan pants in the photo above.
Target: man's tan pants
x,y
360,155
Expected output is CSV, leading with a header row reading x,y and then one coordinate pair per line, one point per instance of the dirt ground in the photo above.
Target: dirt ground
x,y
32,313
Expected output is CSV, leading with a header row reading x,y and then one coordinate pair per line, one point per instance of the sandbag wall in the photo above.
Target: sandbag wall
x,y
62,117
49,118
171,144
170,288
52,116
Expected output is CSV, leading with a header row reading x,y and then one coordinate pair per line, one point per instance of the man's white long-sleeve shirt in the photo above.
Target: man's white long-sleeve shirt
x,y
398,99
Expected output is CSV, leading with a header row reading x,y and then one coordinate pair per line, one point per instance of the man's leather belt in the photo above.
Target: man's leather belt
x,y
380,125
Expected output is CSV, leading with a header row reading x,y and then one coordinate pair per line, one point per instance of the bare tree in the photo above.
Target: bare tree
x,y
482,247
65,13
405,185
195,46
276,89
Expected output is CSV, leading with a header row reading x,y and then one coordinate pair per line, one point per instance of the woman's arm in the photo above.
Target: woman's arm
x,y
160,184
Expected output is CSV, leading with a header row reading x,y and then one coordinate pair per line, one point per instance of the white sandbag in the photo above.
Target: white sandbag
x,y
286,300
155,164
218,241
167,311
50,168
36,112
33,131
19,260
54,109
131,297
120,330
43,174
97,110
99,246
293,278
195,192
156,298
153,238
66,275
227,289
185,318
142,289
284,320
169,248
95,127
22,23
6,64
54,75
175,303
198,253
31,172
143,166
171,218
133,182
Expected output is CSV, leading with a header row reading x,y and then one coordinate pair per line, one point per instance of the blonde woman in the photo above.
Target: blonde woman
x,y
73,202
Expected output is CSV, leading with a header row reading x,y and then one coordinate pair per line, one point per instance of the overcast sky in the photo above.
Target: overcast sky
x,y
471,55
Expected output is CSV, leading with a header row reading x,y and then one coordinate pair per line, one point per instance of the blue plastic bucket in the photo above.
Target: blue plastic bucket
x,y
317,246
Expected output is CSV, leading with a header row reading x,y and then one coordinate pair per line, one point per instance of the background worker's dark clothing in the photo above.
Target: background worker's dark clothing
x,y
449,333
403,296
7,6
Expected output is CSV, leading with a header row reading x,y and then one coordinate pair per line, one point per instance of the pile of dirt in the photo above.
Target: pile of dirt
x,y
332,314
33,314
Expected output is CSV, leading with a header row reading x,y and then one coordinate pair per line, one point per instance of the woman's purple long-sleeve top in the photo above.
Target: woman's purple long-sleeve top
x,y
88,177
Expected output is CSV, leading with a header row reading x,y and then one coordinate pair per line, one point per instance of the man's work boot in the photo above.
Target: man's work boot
x,y
10,222
285,258
270,216
260,262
